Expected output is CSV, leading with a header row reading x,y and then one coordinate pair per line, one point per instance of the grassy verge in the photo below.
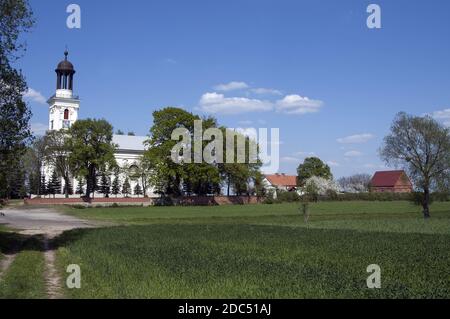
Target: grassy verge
x,y
24,279
362,216
142,214
250,261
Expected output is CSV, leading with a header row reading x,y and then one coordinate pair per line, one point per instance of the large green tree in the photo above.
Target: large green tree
x,y
33,162
190,177
239,176
422,147
57,155
168,175
91,150
15,133
313,166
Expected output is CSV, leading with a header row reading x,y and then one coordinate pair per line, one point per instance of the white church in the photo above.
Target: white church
x,y
63,113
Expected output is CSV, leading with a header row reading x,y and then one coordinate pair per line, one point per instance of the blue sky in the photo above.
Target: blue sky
x,y
311,68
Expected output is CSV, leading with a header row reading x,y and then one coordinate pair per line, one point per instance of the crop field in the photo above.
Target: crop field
x,y
260,251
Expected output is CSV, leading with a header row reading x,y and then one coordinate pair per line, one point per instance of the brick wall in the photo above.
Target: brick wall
x,y
183,201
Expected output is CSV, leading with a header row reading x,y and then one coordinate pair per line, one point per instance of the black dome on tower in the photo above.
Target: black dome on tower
x,y
65,65
65,72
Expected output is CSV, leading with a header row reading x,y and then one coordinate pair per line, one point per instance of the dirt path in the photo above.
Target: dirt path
x,y
53,279
41,221
47,222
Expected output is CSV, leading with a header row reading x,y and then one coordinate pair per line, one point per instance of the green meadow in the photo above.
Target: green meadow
x,y
260,251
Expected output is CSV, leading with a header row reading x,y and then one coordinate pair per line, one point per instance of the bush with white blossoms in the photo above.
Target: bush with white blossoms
x,y
322,185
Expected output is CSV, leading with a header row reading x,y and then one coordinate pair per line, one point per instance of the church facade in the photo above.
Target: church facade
x,y
64,107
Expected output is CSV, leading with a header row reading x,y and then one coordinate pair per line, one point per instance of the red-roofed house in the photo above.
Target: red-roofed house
x,y
281,182
391,181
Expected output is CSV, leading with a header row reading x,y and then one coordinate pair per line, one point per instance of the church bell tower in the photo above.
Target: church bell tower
x,y
64,105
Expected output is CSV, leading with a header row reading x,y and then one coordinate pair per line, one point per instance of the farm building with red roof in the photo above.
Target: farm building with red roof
x,y
391,181
281,182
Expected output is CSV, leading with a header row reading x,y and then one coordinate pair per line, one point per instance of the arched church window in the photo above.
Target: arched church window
x,y
66,114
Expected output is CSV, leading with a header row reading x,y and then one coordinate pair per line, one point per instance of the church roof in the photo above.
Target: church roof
x,y
130,143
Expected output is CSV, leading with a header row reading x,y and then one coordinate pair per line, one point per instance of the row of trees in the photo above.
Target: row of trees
x,y
15,133
175,179
103,186
86,151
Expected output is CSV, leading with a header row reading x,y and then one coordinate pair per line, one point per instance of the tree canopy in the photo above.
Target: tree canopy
x,y
91,150
190,177
422,147
313,166
15,132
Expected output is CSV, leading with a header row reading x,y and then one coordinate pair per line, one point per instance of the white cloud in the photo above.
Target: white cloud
x,y
333,164
35,96
39,129
353,154
296,104
442,116
266,91
232,86
356,139
216,103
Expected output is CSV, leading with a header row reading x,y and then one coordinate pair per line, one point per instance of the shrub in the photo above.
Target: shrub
x,y
164,201
288,197
331,194
441,196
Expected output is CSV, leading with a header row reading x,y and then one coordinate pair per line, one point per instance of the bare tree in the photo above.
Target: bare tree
x,y
422,146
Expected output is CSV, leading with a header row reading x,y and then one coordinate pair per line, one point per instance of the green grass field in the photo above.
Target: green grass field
x,y
261,251
24,279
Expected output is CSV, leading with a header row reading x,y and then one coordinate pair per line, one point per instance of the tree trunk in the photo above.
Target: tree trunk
x,y
66,186
88,186
144,187
90,181
426,203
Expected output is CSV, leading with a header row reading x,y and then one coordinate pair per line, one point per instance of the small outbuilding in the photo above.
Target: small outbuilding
x,y
391,182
